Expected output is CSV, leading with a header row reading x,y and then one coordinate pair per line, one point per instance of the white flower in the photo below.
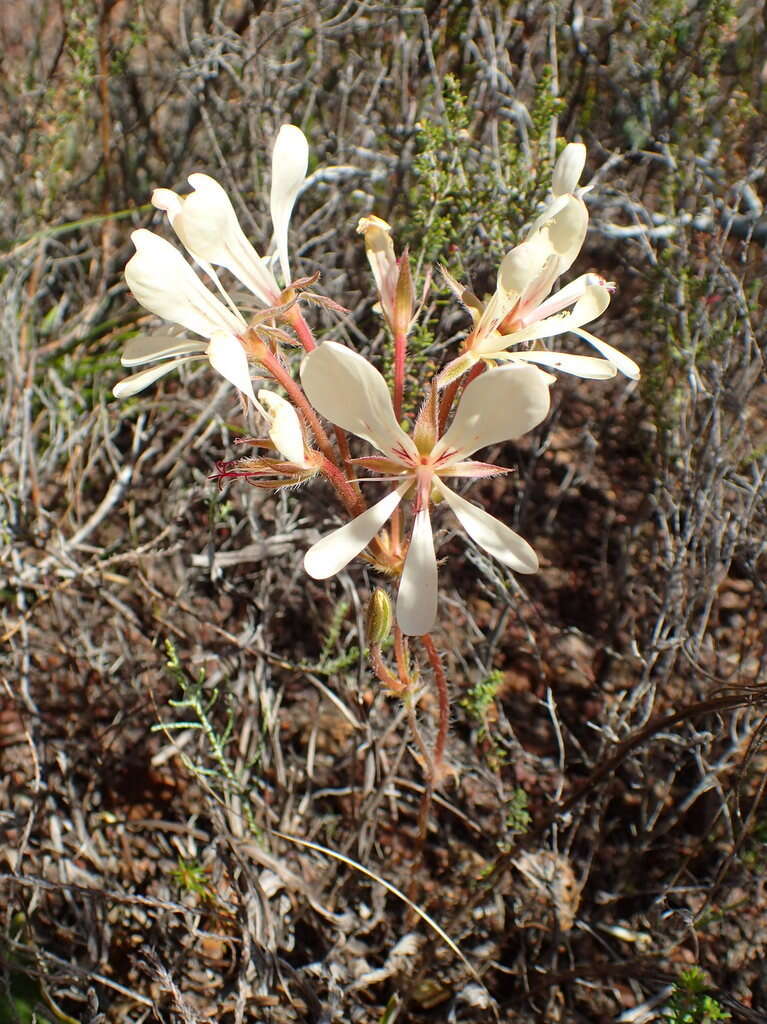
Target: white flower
x,y
499,405
164,283
521,309
207,225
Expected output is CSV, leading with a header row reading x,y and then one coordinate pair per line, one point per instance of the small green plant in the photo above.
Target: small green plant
x,y
480,699
468,202
690,1004
440,198
329,664
479,703
518,817
193,878
200,706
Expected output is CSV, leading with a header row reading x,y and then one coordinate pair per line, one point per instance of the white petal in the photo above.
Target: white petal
x,y
348,391
284,427
329,555
525,263
490,533
165,284
566,222
539,287
494,311
417,597
587,367
227,357
383,262
168,201
567,231
568,169
591,305
138,381
499,405
148,347
562,299
618,359
209,228
290,161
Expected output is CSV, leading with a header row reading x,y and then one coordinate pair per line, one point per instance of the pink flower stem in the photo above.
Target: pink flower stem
x,y
353,501
448,395
400,351
438,757
268,359
302,329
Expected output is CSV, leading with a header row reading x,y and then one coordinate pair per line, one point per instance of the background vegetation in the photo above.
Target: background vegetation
x,y
175,691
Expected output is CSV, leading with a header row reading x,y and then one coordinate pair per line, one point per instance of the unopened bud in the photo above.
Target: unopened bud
x,y
455,369
425,430
285,428
379,618
383,262
404,297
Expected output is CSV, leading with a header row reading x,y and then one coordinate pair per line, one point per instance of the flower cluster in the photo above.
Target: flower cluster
x,y
495,389
521,310
164,283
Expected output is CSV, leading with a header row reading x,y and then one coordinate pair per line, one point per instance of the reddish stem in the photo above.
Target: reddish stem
x,y
302,329
268,359
353,501
396,686
448,395
400,653
437,768
343,447
400,351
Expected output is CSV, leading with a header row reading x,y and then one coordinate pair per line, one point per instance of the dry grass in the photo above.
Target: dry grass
x,y
605,828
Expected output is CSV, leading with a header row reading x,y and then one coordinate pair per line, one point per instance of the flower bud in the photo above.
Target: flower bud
x,y
404,297
383,262
425,430
285,428
379,618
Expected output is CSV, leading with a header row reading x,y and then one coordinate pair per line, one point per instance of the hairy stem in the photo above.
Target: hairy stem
x,y
448,397
269,360
351,498
398,687
400,350
438,757
302,329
